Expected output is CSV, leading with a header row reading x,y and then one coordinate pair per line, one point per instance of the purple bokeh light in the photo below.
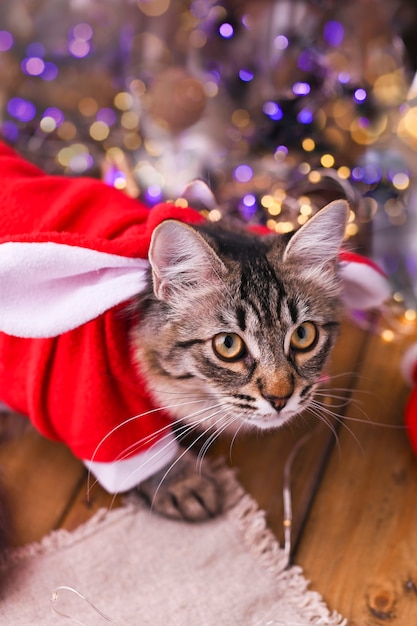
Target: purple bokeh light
x,y
33,66
10,131
333,33
273,110
50,71
153,194
21,109
6,40
246,75
56,114
305,116
301,89
106,115
226,30
360,95
35,49
243,173
79,48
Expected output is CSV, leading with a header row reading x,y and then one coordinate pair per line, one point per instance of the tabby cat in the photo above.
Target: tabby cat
x,y
240,322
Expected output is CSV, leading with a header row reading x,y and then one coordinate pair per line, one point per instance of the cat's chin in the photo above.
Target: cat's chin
x,y
272,422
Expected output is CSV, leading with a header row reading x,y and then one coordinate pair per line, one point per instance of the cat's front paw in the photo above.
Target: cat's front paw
x,y
184,491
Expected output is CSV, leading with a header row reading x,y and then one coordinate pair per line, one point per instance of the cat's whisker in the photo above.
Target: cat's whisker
x,y
180,457
320,408
189,425
357,403
367,420
184,429
232,442
215,435
315,411
152,437
139,416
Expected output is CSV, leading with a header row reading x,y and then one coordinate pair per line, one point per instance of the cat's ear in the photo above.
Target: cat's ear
x,y
181,259
319,240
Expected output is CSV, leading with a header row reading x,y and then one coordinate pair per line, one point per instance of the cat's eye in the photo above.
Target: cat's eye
x,y
304,337
229,346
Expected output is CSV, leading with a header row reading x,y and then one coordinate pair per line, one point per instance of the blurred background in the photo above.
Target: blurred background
x,y
278,105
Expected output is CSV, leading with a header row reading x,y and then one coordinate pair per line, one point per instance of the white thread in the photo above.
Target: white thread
x,y
54,599
287,496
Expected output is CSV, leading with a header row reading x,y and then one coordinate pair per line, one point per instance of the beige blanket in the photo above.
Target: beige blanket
x,y
140,569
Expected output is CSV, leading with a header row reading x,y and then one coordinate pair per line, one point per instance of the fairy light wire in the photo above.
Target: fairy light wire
x,y
287,494
55,597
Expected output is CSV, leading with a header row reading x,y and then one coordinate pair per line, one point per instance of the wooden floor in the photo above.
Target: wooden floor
x,y
354,499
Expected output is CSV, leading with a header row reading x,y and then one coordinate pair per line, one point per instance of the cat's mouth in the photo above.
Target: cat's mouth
x,y
271,421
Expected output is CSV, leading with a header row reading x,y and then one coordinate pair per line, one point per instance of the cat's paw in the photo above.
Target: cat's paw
x,y
184,492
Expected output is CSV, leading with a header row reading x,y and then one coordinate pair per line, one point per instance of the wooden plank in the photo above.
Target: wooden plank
x,y
40,478
89,499
260,458
360,543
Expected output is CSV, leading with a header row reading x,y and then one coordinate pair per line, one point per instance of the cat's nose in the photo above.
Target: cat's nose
x,y
277,402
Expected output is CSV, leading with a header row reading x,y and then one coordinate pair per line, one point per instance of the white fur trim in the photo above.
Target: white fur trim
x,y
408,365
363,286
50,288
123,475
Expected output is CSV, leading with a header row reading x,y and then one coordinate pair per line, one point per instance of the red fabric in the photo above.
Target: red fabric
x,y
352,257
79,386
411,411
411,418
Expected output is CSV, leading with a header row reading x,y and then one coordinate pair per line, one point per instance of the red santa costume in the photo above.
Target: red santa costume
x,y
73,254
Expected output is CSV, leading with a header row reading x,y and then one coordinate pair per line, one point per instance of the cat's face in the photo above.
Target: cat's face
x,y
236,328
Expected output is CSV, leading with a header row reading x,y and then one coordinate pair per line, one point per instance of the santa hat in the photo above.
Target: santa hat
x,y
365,286
49,287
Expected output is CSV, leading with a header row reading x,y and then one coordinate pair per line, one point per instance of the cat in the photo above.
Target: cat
x,y
240,324
116,320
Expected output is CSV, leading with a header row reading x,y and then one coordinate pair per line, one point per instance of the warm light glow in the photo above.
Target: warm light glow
x,y
240,118
410,315
327,160
214,215
181,202
387,335
314,177
304,168
275,208
47,124
284,227
306,210
401,181
123,101
308,145
88,106
351,230
67,131
99,131
267,201
344,172
130,120
153,8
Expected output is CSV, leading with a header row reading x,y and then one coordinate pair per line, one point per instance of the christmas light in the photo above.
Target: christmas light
x,y
34,66
6,40
226,30
281,42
